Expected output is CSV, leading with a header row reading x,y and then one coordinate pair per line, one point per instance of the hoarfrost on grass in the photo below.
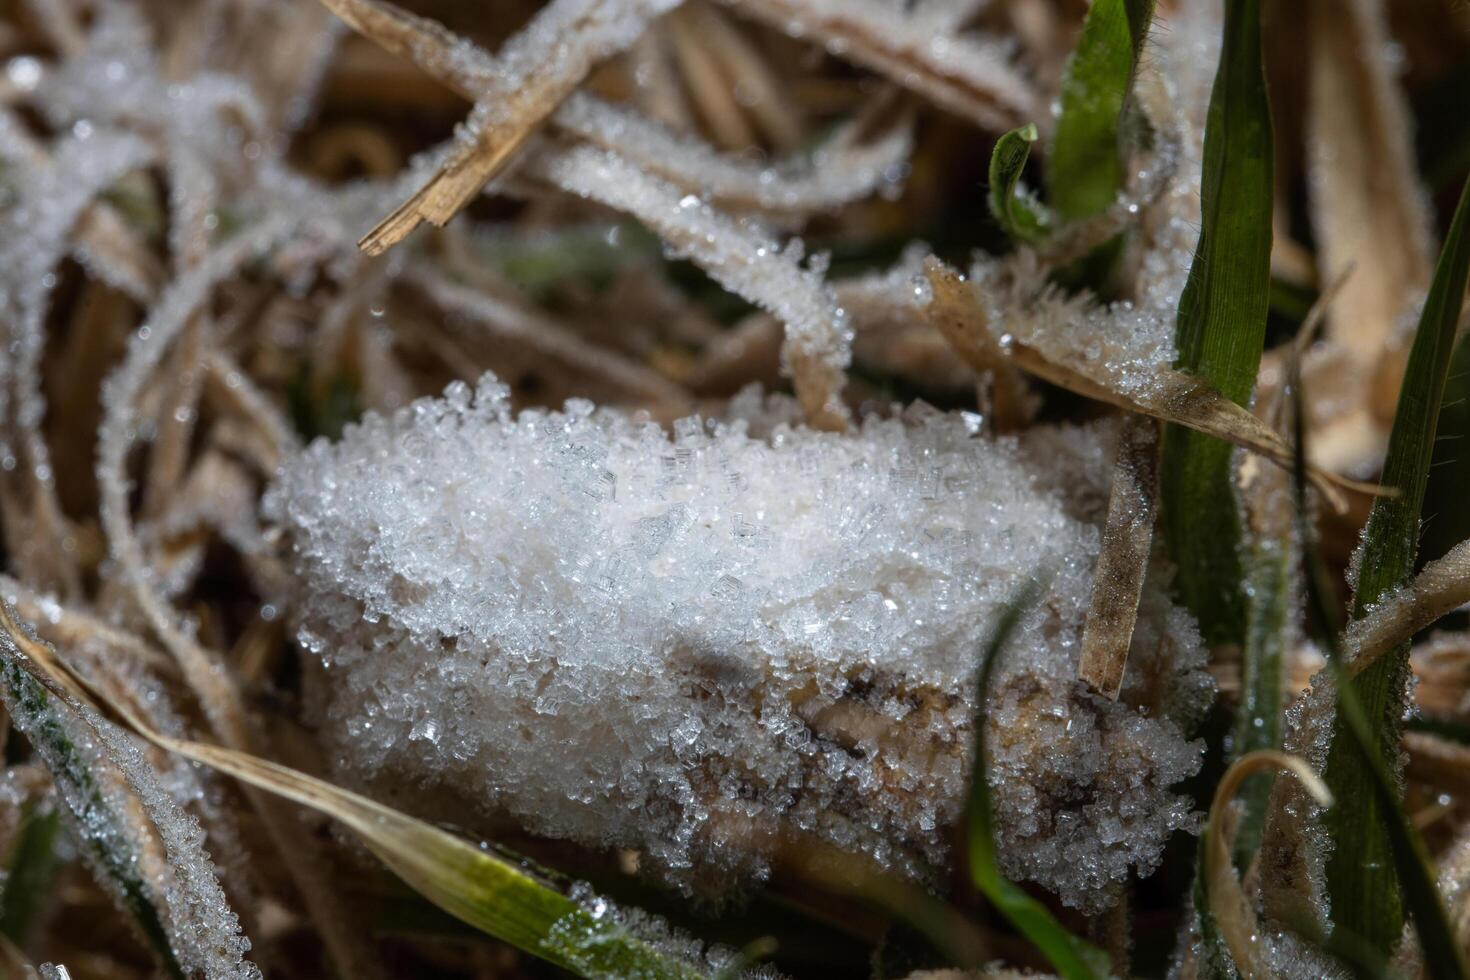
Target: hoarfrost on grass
x,y
105,779
687,644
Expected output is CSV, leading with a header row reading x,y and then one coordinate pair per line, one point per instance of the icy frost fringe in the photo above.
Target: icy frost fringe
x,y
33,240
739,257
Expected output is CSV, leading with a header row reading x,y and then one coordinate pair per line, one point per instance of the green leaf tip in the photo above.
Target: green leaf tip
x,y
1017,210
1085,167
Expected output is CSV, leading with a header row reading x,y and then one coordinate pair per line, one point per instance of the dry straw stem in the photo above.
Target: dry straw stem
x,y
581,38
747,71
711,90
1233,911
1123,561
207,677
1181,399
969,79
853,168
1366,201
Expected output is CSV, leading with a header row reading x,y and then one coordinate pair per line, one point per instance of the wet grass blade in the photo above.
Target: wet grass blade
x,y
1411,869
1016,208
1446,518
1072,957
1221,328
471,883
1362,887
1085,168
29,872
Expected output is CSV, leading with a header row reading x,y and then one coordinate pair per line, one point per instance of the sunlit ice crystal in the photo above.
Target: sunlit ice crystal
x,y
688,643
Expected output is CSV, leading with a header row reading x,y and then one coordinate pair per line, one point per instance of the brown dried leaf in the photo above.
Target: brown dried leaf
x,y
1177,397
1234,913
1117,582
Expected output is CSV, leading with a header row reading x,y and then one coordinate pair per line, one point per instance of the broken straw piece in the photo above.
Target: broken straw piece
x,y
685,644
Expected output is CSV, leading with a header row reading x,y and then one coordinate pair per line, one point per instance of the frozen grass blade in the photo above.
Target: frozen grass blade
x,y
108,839
1444,959
1221,328
969,75
1016,209
1439,589
1364,894
473,884
1258,719
1085,167
1073,958
1446,518
1233,914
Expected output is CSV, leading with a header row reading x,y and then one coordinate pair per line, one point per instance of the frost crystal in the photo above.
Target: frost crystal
x,y
664,643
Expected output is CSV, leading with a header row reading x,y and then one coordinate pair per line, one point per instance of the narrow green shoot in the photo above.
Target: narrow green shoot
x,y
1360,881
1446,518
1258,719
29,872
1221,328
1016,209
1073,958
1085,168
1444,959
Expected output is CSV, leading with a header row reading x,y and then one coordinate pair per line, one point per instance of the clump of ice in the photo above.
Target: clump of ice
x,y
632,639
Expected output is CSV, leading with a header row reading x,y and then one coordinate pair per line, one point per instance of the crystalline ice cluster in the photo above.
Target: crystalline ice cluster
x,y
666,643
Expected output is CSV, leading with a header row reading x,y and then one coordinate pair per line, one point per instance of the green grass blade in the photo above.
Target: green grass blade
x,y
1443,957
1085,168
105,836
1258,720
1446,517
1072,957
1016,208
29,873
1221,328
1362,887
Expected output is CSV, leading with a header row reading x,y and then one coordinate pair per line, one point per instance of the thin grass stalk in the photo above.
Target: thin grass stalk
x,y
1221,329
1360,880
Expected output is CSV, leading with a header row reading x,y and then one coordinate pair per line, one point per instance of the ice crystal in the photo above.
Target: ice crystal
x,y
633,639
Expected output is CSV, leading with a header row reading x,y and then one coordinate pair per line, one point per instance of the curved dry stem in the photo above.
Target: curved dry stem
x,y
1229,905
1442,587
968,75
738,257
204,672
